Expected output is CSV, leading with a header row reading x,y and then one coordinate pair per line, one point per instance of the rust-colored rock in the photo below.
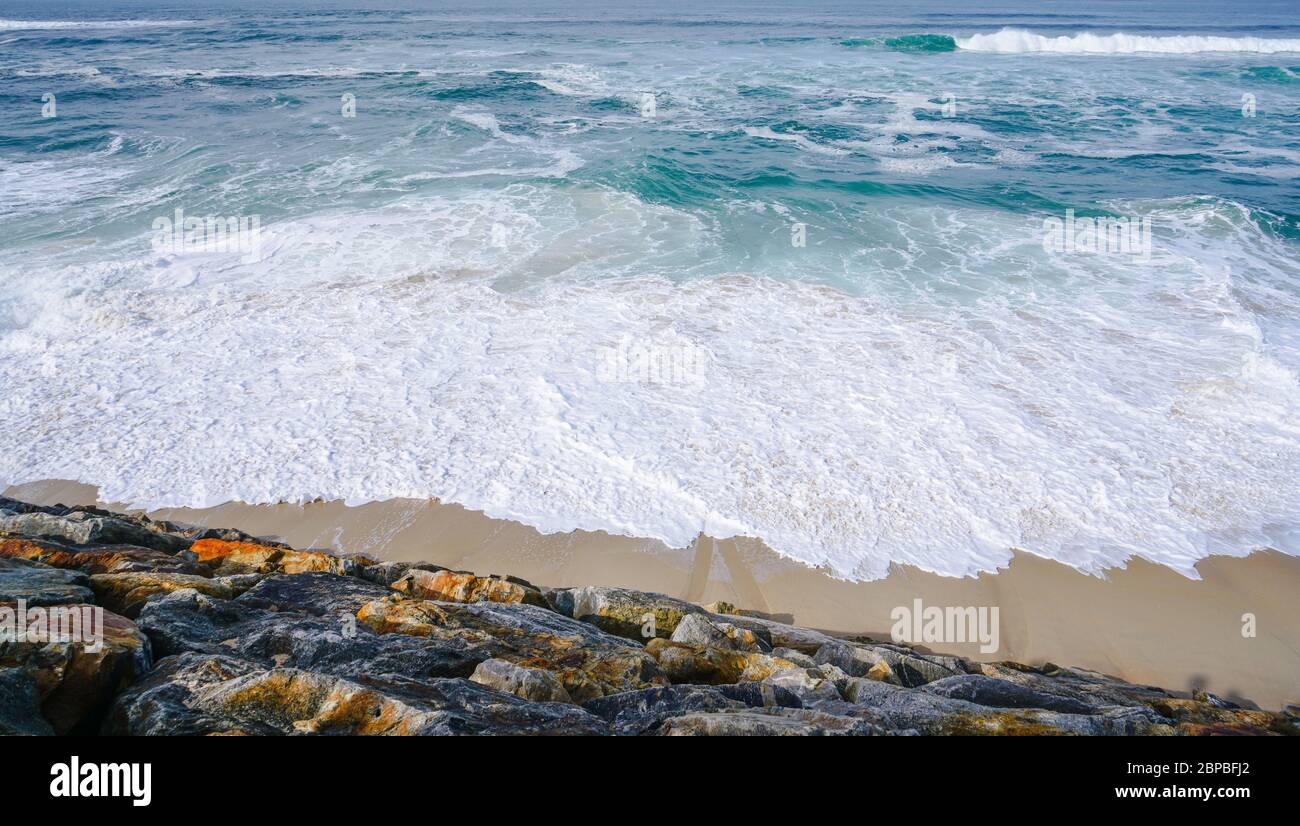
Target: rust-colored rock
x,y
460,586
107,559
252,558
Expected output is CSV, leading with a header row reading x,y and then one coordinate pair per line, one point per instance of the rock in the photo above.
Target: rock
x,y
625,612
767,723
1074,683
458,586
779,634
241,583
987,691
256,558
797,657
200,694
313,593
896,708
807,684
37,584
642,712
721,607
86,526
20,706
529,683
74,660
187,621
1203,717
697,629
387,573
127,593
588,662
100,560
705,665
882,662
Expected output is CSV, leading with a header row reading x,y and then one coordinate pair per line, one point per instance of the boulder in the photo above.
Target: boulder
x,y
187,621
780,634
697,629
201,694
588,662
987,691
767,723
808,684
38,584
642,712
256,558
1204,717
895,708
72,659
87,526
100,560
459,586
625,612
127,593
20,706
882,662
313,593
706,665
387,573
534,684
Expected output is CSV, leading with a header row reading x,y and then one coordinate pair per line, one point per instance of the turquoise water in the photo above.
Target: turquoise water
x,y
525,188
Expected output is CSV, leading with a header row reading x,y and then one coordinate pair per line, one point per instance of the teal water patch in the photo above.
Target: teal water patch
x,y
905,43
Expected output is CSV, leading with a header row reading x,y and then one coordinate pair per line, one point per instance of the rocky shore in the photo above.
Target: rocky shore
x,y
208,631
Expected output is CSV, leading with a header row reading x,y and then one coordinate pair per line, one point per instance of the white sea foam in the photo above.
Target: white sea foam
x,y
1010,41
1087,409
18,25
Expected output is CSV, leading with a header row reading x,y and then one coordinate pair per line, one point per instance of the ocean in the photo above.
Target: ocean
x,y
877,283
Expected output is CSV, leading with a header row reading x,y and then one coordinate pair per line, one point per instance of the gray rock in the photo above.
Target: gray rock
x,y
387,573
312,593
38,584
797,657
187,621
643,712
697,629
987,691
625,612
896,708
857,660
529,683
20,705
767,723
86,526
779,634
202,694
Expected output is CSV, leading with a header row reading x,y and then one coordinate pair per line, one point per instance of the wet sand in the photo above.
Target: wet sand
x,y
1143,623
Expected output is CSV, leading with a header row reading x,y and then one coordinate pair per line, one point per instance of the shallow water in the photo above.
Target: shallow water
x,y
452,289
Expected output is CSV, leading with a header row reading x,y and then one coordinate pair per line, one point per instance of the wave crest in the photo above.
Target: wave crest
x,y
1016,41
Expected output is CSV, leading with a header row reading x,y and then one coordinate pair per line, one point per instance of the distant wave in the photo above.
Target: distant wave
x,y
14,25
1014,41
906,43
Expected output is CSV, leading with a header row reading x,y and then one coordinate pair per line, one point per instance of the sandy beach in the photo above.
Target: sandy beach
x,y
1144,623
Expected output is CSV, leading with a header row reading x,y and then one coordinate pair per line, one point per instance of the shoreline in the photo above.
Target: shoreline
x,y
1144,623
